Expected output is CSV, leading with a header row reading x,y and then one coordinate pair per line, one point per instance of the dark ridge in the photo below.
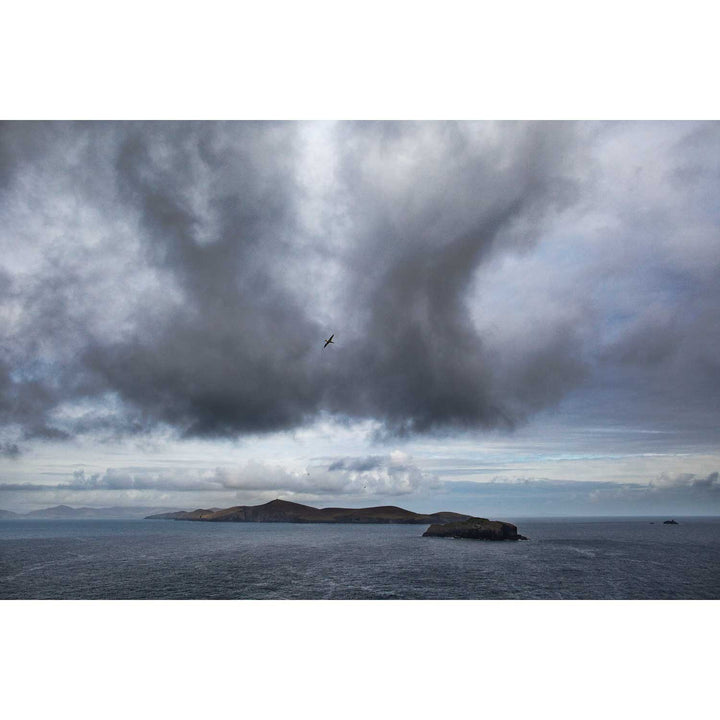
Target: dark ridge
x,y
285,511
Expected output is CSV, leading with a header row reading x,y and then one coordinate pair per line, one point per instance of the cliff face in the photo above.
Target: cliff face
x,y
283,511
476,529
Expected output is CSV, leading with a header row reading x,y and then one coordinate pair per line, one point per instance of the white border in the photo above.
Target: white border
x,y
357,659
319,59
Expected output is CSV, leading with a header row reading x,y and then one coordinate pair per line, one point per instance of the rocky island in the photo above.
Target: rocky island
x,y
282,511
290,512
475,529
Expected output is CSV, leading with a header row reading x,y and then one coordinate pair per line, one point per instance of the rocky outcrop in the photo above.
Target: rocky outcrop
x,y
476,529
671,522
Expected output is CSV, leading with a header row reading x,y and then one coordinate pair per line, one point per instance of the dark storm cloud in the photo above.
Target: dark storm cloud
x,y
460,196
166,274
210,209
216,210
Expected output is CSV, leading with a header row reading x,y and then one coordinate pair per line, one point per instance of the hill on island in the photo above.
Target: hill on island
x,y
290,512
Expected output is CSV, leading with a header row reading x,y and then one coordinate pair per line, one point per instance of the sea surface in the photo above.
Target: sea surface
x,y
628,558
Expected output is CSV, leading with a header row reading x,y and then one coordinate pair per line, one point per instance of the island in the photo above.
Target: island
x,y
671,522
475,529
283,511
290,512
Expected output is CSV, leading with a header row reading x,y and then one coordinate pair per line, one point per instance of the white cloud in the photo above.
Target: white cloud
x,y
360,478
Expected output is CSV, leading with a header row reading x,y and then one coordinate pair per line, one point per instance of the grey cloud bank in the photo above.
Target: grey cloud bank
x,y
167,262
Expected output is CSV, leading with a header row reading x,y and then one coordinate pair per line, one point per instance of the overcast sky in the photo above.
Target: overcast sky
x,y
526,315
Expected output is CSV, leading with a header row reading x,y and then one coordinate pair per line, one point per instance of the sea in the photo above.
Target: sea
x,y
564,558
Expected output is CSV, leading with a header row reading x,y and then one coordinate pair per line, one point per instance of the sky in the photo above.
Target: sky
x,y
526,315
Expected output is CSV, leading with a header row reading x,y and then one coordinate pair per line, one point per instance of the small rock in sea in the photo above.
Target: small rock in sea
x,y
476,529
671,522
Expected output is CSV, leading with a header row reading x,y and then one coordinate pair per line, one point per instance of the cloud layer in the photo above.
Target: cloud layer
x,y
184,275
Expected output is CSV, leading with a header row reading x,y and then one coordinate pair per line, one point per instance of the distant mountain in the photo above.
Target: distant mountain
x,y
290,512
59,511
8,515
107,513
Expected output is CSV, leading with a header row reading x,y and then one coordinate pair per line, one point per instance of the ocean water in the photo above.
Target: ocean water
x,y
563,559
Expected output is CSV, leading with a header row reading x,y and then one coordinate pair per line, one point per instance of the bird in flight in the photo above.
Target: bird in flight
x,y
329,340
